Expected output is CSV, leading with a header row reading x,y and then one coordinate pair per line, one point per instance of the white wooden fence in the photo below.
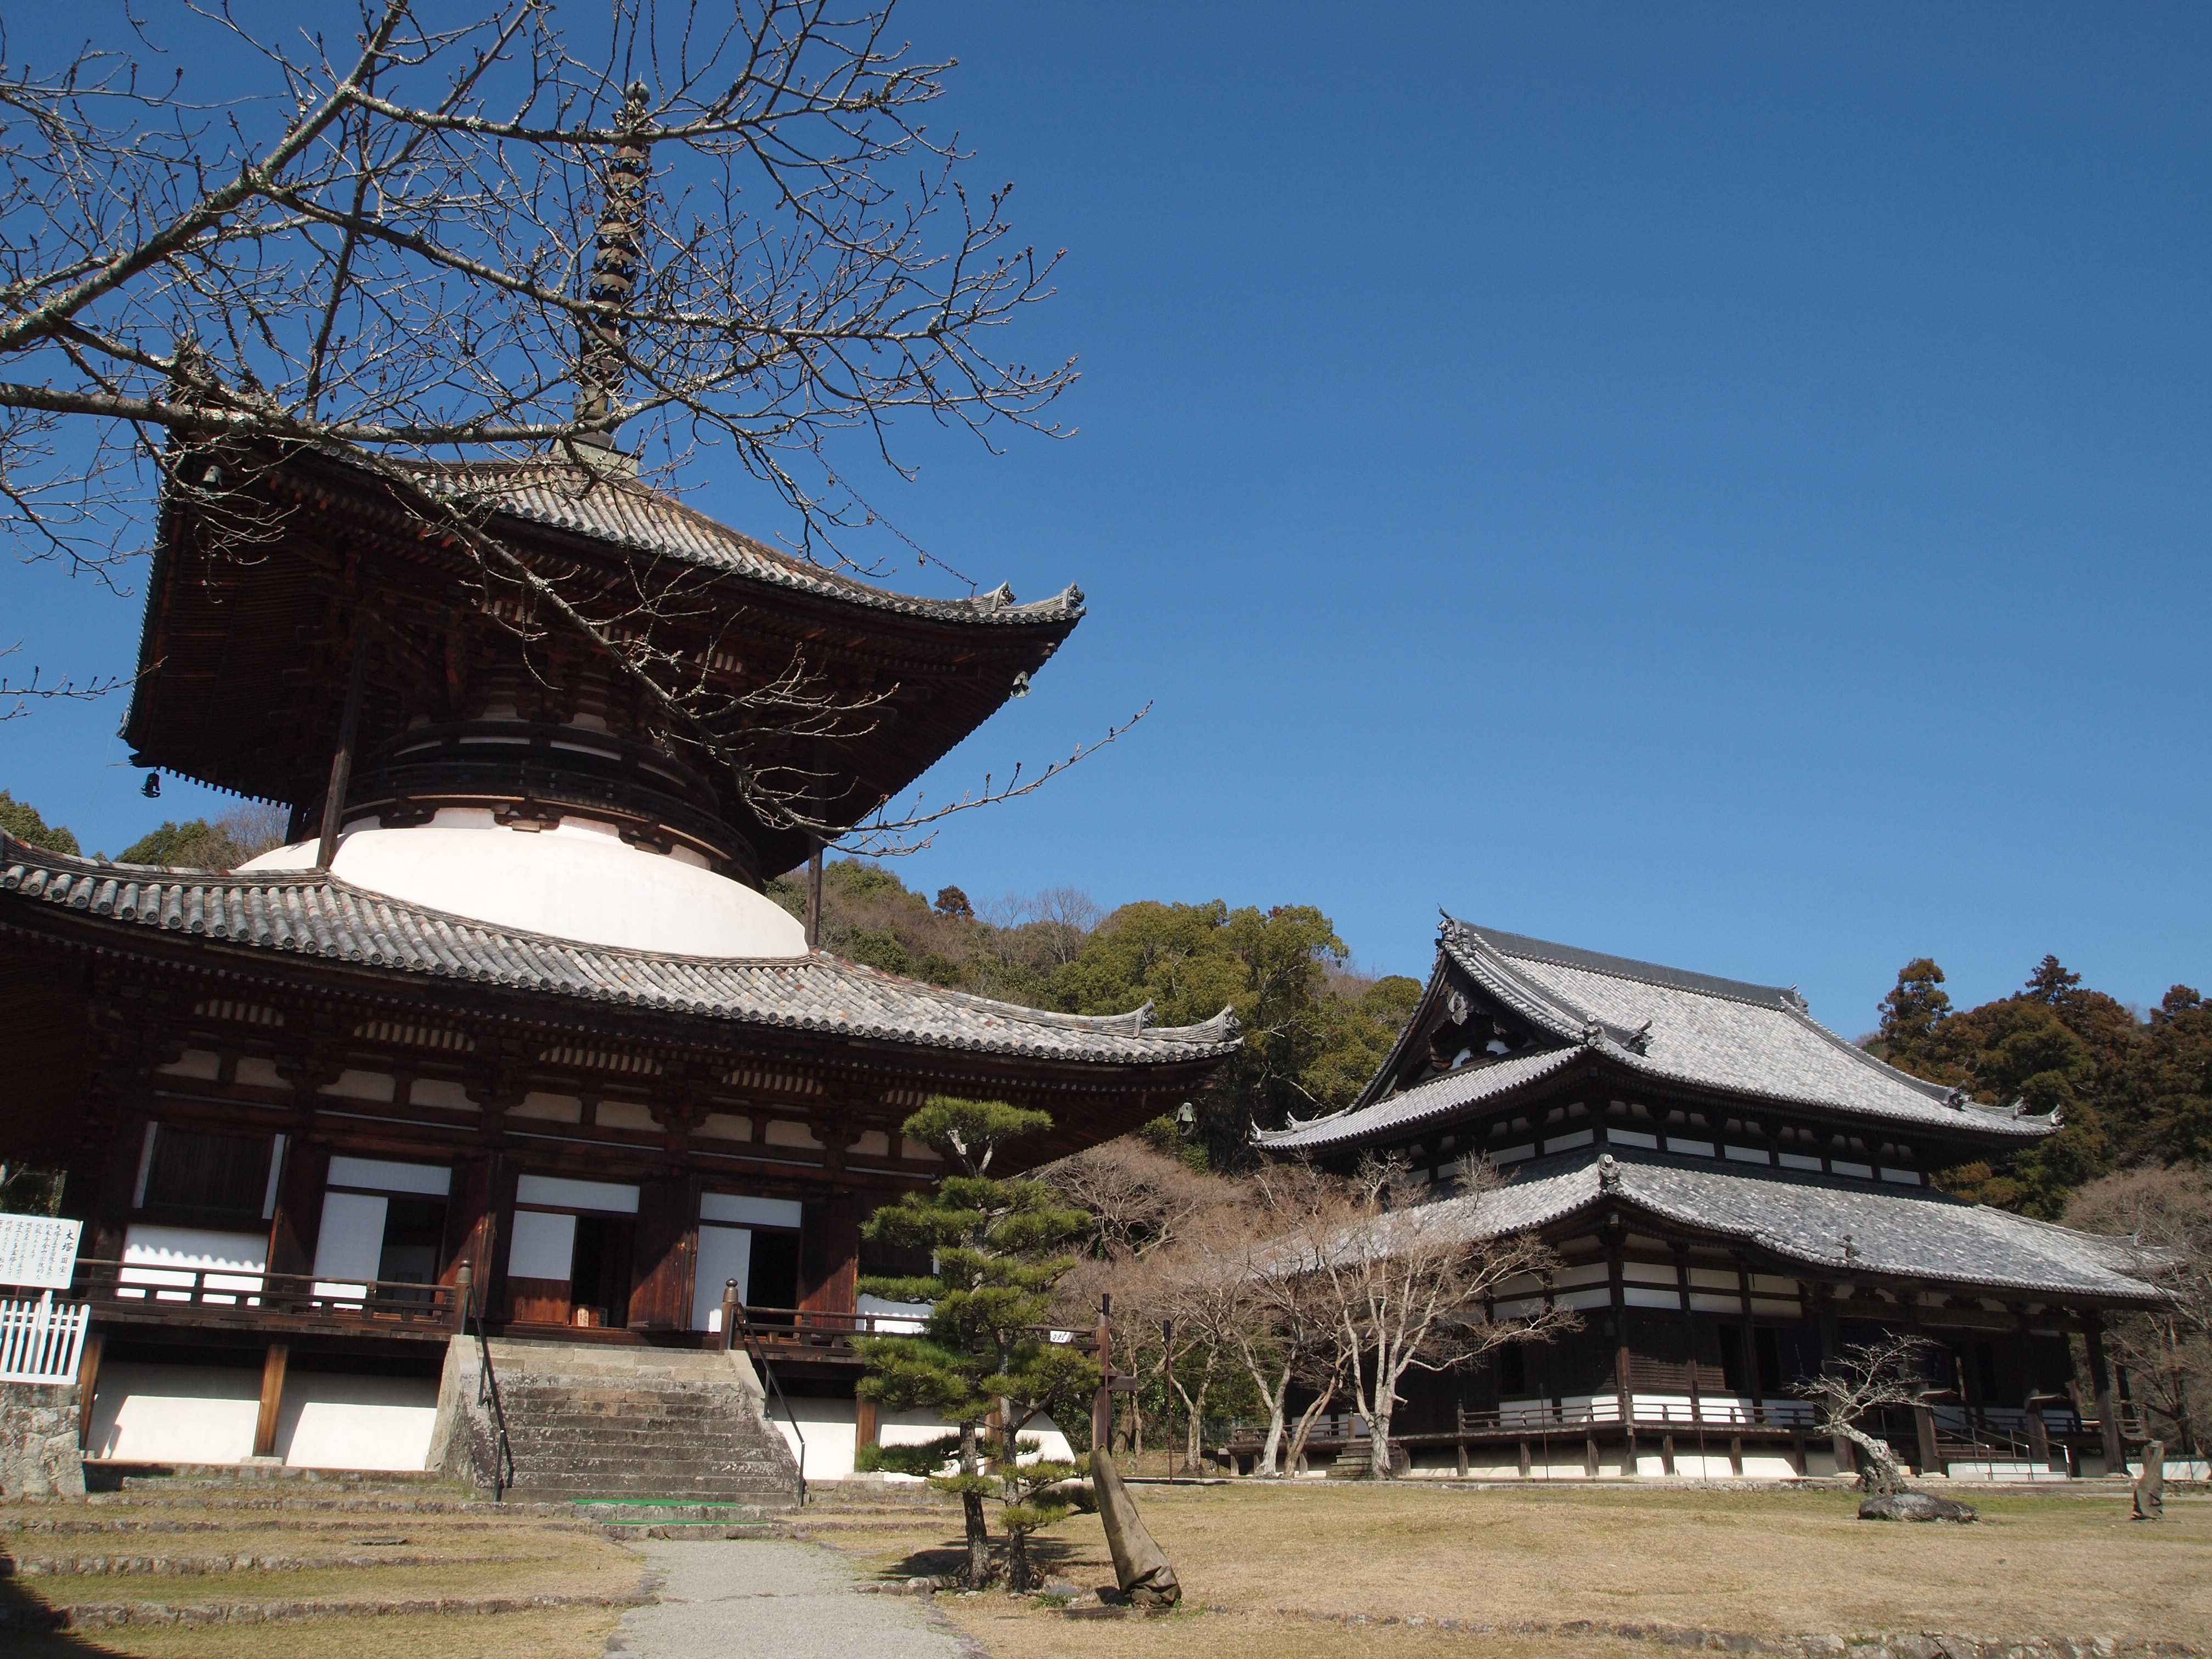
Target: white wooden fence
x,y
40,1341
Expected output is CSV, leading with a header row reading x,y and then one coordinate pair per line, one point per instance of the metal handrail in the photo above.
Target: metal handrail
x,y
502,1455
735,1320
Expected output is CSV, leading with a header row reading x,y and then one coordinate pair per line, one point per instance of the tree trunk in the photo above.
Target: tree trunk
x,y
1018,1561
972,1509
1307,1419
1381,1406
1270,1448
1194,1440
1881,1476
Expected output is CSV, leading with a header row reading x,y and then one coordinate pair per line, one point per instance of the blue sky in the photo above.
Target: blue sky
x,y
1724,484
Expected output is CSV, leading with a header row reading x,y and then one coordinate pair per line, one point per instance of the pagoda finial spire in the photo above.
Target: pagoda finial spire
x,y
617,255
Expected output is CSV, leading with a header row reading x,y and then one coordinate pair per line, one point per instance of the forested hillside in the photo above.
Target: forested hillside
x,y
1314,1031
2129,1090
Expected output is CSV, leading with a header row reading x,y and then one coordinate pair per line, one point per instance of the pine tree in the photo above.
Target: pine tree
x,y
996,1247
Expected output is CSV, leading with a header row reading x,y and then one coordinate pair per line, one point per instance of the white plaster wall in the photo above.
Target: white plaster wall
x,y
832,1434
206,1414
581,881
174,1414
330,1421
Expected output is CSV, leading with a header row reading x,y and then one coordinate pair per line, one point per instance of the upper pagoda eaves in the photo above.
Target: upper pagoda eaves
x,y
266,582
624,514
1666,1026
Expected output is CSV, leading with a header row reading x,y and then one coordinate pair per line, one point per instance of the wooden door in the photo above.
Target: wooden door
x,y
829,1256
666,1253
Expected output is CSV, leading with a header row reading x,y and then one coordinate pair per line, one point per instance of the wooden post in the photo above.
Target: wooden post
x,y
731,1306
1824,1310
87,1381
1666,1453
1524,1459
2108,1416
1102,1403
814,894
867,1430
1625,1392
273,1366
342,762
1735,1455
464,1287
1923,1423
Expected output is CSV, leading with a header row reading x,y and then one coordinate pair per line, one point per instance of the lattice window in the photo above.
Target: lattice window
x,y
416,1037
603,1059
246,1013
742,1077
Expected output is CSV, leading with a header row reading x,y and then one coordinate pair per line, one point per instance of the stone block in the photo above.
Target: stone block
x,y
38,1454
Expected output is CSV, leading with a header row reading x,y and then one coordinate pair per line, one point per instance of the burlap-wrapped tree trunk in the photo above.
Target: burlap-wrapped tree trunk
x,y
1142,1571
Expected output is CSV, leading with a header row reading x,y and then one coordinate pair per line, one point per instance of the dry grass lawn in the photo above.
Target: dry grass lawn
x,y
1772,1562
555,1633
469,1556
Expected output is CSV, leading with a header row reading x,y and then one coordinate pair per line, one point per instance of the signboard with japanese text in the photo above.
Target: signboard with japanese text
x,y
38,1250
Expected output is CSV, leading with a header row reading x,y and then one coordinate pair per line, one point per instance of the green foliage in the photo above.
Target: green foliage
x,y
1314,1033
20,819
997,1249
238,836
2126,1090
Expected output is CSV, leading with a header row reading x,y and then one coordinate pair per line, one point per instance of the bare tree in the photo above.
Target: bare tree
x,y
479,238
1411,1285
2164,1221
1139,1199
1863,1380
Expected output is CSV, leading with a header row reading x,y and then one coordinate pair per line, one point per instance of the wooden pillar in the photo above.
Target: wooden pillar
x,y
1824,1310
273,1366
1923,1423
1589,1455
118,1186
732,1311
814,894
342,761
1524,1459
1735,1455
830,1256
299,1217
88,1383
1667,1453
2108,1415
866,1428
1625,1391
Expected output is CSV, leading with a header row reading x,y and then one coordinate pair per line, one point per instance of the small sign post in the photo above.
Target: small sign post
x,y
39,1341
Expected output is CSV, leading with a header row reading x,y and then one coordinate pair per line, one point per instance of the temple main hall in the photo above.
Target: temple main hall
x,y
1736,1194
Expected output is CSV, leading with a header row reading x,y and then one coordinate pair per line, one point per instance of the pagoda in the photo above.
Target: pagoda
x,y
507,1039
1735,1195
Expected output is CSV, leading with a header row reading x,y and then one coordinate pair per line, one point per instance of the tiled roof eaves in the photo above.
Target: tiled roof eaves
x,y
1547,1192
1971,1122
329,918
634,517
1533,1002
1437,1098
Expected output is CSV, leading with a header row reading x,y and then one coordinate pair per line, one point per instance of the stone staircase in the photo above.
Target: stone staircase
x,y
609,1422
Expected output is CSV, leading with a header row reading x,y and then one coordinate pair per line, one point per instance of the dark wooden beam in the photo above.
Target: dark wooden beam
x,y
342,761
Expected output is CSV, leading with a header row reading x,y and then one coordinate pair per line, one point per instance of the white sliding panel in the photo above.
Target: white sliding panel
x,y
724,1254
544,1245
350,1241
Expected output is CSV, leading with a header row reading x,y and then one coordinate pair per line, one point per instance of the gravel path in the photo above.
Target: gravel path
x,y
765,1599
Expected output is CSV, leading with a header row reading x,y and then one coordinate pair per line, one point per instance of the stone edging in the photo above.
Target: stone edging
x,y
1878,1645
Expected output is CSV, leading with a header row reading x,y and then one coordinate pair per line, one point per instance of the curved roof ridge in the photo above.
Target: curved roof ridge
x,y
709,538
1468,945
1630,968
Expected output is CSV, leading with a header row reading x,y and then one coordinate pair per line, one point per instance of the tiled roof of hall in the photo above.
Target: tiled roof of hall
x,y
1844,1228
1755,1043
625,513
321,917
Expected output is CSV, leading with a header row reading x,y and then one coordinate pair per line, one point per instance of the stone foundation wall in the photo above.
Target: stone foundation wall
x,y
39,1454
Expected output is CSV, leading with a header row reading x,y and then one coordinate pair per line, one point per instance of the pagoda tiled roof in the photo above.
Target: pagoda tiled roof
x,y
1749,1042
625,513
317,916
1841,1227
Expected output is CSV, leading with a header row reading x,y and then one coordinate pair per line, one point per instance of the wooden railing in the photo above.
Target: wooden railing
x,y
250,1297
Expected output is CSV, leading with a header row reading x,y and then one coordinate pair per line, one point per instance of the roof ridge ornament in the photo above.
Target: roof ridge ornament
x,y
1593,1031
1959,1098
1608,1173
997,599
1639,1039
